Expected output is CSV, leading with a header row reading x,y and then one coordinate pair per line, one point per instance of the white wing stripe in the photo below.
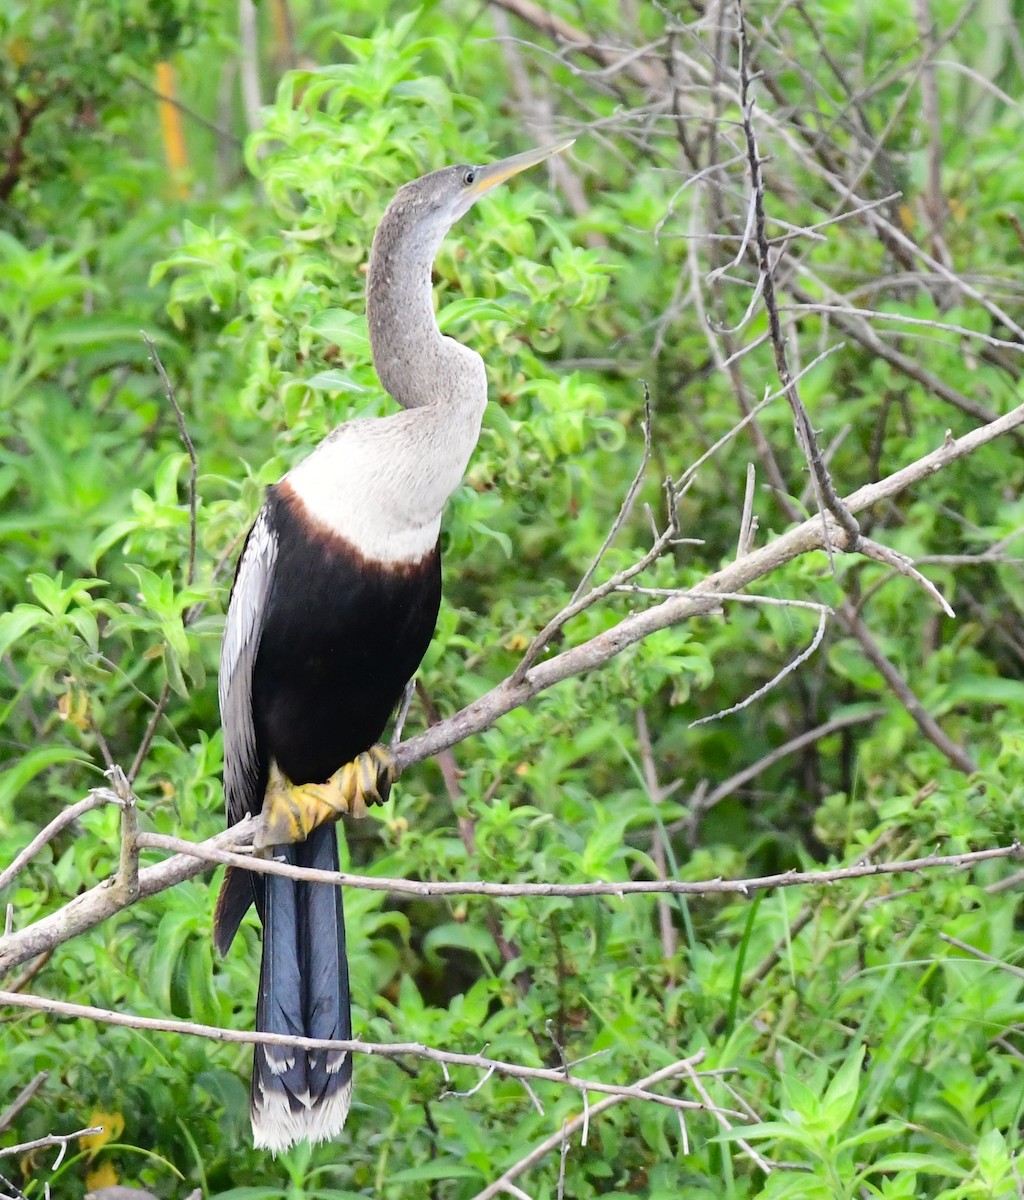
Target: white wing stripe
x,y
243,627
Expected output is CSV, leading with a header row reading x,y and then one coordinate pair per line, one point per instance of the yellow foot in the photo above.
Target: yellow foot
x,y
291,811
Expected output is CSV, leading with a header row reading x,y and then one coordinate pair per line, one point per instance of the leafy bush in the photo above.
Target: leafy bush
x,y
861,1036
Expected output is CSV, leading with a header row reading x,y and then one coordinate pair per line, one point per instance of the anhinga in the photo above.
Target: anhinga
x,y
333,605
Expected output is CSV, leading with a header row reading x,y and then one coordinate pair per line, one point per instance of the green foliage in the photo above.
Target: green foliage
x,y
871,1026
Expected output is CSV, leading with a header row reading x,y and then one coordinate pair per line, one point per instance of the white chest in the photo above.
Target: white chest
x,y
382,484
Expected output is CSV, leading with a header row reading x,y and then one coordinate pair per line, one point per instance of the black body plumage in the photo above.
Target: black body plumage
x,y
341,638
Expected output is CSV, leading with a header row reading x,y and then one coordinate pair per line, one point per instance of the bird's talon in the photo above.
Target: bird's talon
x,y
292,811
367,780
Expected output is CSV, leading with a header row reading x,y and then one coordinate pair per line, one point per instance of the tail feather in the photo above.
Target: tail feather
x,y
302,1095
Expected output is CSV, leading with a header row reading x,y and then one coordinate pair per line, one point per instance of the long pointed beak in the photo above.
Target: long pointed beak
x,y
494,173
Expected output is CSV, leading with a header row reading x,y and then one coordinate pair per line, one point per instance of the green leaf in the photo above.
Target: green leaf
x,y
16,623
347,330
455,936
334,381
440,1168
31,764
840,1097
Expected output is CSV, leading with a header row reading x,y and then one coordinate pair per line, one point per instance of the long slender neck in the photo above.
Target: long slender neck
x,y
416,365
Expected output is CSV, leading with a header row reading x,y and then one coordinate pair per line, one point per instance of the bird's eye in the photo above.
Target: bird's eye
x,y
469,178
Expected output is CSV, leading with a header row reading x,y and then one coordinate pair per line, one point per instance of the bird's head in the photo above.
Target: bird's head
x,y
429,206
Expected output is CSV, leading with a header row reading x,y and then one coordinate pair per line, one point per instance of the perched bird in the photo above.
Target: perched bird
x,y
334,603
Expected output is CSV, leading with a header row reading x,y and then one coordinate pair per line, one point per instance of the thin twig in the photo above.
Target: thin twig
x,y
627,504
193,461
544,1148
432,889
150,733
723,1120
1009,968
93,907
776,679
873,314
904,566
656,793
580,601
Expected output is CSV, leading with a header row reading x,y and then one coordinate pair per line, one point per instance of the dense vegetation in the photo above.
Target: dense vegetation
x,y
862,1039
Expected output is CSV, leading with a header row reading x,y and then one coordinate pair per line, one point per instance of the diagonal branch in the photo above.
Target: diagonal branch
x,y
803,538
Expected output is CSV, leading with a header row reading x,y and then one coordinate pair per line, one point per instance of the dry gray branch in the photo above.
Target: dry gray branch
x,y
95,799
765,688
21,1100
828,497
51,1139
446,1058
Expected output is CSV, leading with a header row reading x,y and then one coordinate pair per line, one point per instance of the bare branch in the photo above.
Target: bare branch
x,y
95,799
627,503
975,952
101,902
51,1139
828,498
725,1124
656,794
931,729
904,566
872,314
147,738
21,1100
647,73
61,1008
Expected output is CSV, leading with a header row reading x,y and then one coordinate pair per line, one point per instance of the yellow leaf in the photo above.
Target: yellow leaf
x,y
17,51
958,208
104,1176
73,705
113,1127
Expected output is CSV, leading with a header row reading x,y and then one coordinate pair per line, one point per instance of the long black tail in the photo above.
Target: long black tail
x,y
302,1095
